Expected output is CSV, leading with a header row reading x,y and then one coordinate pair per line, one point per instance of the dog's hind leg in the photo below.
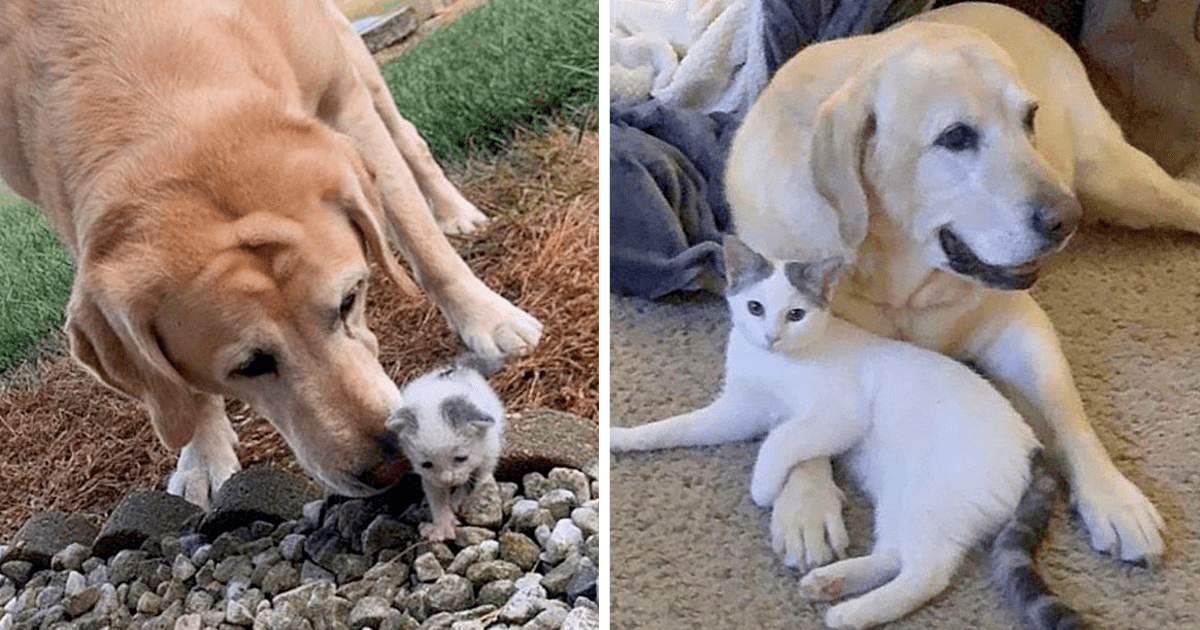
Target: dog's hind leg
x,y
1119,184
208,460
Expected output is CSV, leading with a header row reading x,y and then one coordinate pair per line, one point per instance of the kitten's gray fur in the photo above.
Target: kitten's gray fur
x,y
451,428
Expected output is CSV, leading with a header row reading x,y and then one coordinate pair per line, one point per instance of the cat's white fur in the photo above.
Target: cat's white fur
x,y
943,455
451,428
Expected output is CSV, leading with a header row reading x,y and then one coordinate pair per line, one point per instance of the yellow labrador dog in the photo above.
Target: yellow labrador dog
x,y
950,156
223,172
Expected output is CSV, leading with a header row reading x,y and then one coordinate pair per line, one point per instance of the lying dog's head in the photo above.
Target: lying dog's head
x,y
935,131
242,271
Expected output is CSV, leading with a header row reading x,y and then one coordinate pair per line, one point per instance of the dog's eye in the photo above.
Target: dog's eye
x,y
461,459
795,315
959,137
755,307
258,364
1030,114
347,305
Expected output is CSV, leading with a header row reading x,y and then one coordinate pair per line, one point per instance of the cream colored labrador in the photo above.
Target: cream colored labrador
x,y
947,156
222,172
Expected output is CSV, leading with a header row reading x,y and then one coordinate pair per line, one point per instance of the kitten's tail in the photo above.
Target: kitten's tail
x,y
1015,546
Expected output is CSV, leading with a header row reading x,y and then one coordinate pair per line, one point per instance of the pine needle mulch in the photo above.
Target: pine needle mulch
x,y
69,444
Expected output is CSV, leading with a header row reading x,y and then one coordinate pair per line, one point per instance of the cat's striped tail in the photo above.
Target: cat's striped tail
x,y
1015,546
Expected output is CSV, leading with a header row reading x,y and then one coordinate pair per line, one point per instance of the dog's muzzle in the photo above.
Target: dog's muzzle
x,y
964,261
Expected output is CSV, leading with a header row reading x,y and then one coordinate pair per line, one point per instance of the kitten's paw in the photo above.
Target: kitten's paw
x,y
821,586
437,532
806,524
1121,520
849,616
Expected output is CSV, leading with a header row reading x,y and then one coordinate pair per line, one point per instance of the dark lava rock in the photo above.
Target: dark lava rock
x,y
142,516
47,533
261,493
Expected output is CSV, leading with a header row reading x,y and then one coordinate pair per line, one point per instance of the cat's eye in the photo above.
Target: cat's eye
x,y
958,137
755,307
259,364
461,459
426,465
795,315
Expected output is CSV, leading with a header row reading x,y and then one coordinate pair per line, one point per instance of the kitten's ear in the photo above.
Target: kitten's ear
x,y
815,279
743,266
465,417
402,421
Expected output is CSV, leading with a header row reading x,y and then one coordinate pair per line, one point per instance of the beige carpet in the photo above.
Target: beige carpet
x,y
689,549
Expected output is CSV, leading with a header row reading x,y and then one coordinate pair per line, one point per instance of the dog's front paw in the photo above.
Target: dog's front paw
x,y
491,326
1121,520
197,479
439,531
460,218
806,523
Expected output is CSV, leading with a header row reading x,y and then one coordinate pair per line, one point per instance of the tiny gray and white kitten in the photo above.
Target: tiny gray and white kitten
x,y
451,427
946,459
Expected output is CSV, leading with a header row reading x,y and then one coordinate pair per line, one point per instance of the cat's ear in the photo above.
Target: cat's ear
x,y
817,279
743,266
464,417
402,421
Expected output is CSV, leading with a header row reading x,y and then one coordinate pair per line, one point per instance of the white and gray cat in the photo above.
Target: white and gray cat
x,y
945,458
451,428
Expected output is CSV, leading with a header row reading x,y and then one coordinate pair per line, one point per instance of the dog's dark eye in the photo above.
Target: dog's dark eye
x,y
959,137
1030,114
795,315
258,364
347,305
755,307
461,459
426,465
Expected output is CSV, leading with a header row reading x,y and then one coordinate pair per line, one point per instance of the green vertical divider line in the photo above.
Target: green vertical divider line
x,y
603,105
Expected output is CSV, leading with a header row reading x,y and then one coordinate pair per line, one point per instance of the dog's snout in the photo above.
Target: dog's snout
x,y
389,467
1056,220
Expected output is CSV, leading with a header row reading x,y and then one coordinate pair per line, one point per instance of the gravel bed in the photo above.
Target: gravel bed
x,y
525,557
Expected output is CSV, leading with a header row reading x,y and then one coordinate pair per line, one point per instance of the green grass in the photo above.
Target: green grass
x,y
505,64
35,278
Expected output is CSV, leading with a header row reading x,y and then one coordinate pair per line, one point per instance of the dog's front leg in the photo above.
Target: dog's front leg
x,y
207,461
807,527
489,324
1023,356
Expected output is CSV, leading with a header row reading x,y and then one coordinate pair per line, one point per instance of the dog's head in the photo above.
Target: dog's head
x,y
244,273
936,133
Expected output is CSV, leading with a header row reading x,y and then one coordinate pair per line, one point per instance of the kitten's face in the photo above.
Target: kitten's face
x,y
445,444
781,306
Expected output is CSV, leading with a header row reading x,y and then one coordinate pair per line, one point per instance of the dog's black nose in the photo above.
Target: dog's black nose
x,y
1056,220
388,469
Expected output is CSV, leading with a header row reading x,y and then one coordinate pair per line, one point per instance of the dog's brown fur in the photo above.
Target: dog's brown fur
x,y
222,172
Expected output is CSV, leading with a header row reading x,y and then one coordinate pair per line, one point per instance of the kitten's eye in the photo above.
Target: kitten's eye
x,y
958,137
347,305
795,315
426,465
755,307
258,364
461,459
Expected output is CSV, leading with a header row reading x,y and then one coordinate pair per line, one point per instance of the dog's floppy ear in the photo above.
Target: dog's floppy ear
x,y
367,214
844,124
114,339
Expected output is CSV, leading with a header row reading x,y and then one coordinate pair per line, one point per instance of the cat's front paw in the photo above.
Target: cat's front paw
x,y
821,586
622,439
806,523
439,531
